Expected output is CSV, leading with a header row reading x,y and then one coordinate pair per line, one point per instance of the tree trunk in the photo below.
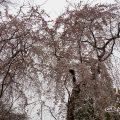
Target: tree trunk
x,y
91,96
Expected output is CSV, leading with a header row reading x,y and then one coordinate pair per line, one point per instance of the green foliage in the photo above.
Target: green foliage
x,y
86,111
112,116
107,116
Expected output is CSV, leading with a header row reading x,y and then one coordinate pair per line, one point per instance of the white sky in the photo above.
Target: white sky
x,y
55,7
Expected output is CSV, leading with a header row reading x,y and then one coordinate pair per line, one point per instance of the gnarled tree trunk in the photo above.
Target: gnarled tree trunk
x,y
92,94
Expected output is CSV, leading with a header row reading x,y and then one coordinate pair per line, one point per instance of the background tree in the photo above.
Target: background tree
x,y
69,58
88,37
19,39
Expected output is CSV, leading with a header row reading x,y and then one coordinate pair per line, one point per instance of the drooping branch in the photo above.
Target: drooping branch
x,y
7,73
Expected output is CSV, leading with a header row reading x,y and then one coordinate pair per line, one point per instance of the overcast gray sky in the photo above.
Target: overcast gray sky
x,y
56,7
